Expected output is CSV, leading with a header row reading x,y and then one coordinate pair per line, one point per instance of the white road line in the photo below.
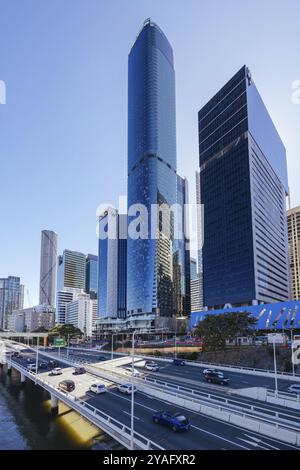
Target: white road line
x,y
259,440
135,417
220,437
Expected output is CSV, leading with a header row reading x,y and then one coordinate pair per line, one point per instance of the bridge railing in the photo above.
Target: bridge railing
x,y
107,423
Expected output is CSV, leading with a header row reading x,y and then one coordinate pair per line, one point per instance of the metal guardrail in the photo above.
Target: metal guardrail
x,y
195,396
201,363
111,426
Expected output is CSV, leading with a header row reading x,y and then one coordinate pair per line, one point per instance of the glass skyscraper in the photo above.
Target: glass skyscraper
x,y
243,187
11,298
152,169
112,265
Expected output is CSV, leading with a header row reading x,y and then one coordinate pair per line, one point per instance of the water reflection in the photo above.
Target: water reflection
x,y
26,422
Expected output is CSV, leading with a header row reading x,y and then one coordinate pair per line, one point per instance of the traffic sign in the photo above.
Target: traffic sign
x,y
59,342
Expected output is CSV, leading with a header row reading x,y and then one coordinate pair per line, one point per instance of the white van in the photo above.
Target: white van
x,y
31,367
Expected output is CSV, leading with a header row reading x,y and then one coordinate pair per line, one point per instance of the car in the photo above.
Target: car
x,y
178,362
30,360
79,371
15,354
294,388
177,421
136,373
126,388
101,358
66,385
216,378
56,371
152,366
43,365
98,388
216,371
31,367
52,364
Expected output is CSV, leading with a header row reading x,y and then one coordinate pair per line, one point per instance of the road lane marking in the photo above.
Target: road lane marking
x,y
259,440
220,437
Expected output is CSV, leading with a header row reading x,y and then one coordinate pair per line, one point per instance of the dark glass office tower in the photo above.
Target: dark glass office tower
x,y
112,265
151,170
181,256
243,185
91,275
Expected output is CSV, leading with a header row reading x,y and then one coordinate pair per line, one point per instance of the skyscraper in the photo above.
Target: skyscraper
x,y
91,276
48,268
243,186
11,298
112,266
151,172
71,270
293,217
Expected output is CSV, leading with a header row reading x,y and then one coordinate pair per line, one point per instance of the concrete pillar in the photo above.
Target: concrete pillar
x,y
54,405
23,378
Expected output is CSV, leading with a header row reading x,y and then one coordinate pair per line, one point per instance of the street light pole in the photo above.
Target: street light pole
x,y
275,368
175,338
37,358
293,365
132,393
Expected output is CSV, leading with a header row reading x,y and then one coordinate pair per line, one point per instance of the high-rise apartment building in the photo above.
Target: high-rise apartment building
x,y
63,297
48,267
80,312
152,178
11,298
293,218
243,187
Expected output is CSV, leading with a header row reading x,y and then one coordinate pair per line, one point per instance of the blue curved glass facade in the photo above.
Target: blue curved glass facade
x,y
151,168
277,316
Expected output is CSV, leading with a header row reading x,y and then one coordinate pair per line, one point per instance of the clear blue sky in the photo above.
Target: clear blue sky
x,y
63,144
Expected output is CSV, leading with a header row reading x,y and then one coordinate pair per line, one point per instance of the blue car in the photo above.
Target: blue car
x,y
178,362
177,421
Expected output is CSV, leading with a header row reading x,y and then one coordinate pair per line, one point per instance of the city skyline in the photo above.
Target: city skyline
x,y
276,92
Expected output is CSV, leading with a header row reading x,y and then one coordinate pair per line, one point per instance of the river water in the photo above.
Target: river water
x,y
26,421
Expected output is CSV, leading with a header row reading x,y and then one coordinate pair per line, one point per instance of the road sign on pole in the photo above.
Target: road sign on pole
x,y
59,342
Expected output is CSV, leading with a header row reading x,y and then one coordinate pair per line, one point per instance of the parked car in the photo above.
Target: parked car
x,y
294,388
79,371
98,388
56,371
216,371
31,367
126,388
216,378
66,386
178,362
15,354
177,421
43,365
30,360
152,366
52,364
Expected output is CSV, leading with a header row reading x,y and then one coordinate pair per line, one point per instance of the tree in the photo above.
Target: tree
x,y
214,330
66,331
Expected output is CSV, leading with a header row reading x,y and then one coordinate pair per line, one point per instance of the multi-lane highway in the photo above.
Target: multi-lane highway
x,y
206,432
